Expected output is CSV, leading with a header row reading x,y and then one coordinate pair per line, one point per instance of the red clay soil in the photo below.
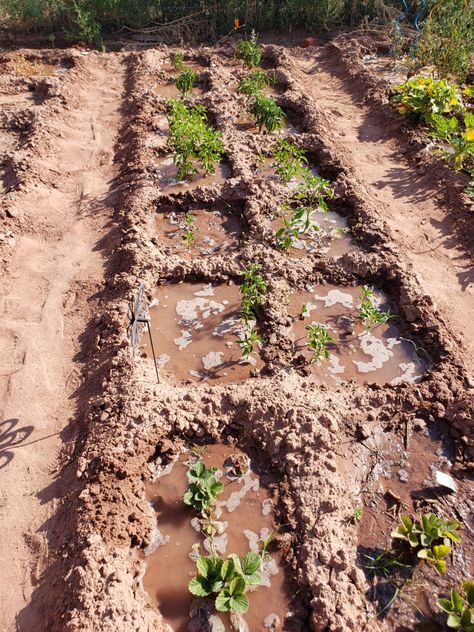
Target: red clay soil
x,y
89,422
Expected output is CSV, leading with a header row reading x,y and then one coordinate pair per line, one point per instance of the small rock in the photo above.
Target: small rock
x,y
403,476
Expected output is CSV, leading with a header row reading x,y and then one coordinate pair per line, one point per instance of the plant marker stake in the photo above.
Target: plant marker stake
x,y
139,317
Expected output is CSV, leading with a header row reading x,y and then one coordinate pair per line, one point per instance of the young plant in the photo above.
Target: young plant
x,y
185,81
250,51
192,140
314,190
188,236
255,82
460,608
318,341
247,343
358,513
421,97
432,537
266,112
203,488
369,313
298,223
290,161
177,60
253,290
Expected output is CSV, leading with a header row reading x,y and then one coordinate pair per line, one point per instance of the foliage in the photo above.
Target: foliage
x,y
424,96
248,341
290,160
177,60
192,140
313,190
358,513
460,608
318,341
369,313
384,563
185,81
299,222
188,236
432,537
253,290
255,82
203,488
250,51
266,112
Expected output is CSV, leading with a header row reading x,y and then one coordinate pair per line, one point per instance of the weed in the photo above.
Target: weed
x,y
177,60
318,341
192,140
250,51
188,236
384,563
426,535
369,313
460,608
21,66
304,311
314,190
255,82
185,81
203,488
290,160
266,112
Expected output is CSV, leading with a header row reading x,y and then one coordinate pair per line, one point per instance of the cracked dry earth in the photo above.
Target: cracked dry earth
x,y
91,210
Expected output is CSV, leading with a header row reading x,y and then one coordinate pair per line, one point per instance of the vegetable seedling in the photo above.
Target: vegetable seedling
x,y
177,60
460,608
266,112
250,51
188,236
255,82
314,190
247,343
318,341
290,161
369,313
203,488
185,81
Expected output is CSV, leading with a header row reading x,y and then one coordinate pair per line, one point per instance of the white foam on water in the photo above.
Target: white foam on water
x,y
335,366
184,340
163,359
212,359
409,373
207,290
333,297
375,348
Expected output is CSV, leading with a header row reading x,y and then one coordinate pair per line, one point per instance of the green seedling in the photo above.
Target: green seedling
x,y
369,313
188,236
421,97
314,190
185,81
192,141
177,60
384,563
203,488
294,226
253,290
304,311
460,608
318,341
248,342
266,112
290,161
255,82
432,537
250,51
358,513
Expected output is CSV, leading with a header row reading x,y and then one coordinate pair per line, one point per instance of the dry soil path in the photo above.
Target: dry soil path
x,y
405,197
46,302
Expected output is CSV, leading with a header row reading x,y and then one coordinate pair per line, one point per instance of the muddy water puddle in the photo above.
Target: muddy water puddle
x,y
200,232
395,72
168,176
244,512
195,329
368,355
245,123
170,91
328,235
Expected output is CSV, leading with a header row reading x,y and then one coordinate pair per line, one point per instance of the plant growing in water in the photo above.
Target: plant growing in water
x,y
248,341
266,112
188,236
318,341
314,190
253,290
290,161
250,51
255,82
203,488
369,313
460,607
299,222
185,81
432,537
177,60
192,140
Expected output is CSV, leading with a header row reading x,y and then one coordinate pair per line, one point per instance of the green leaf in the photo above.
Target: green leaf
x,y
406,521
440,566
250,563
468,587
204,566
413,540
237,586
188,498
457,601
446,605
453,621
199,586
466,617
441,550
425,554
228,570
223,601
239,604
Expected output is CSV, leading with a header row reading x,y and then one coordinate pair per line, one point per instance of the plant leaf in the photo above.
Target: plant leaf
x,y
453,621
468,587
250,563
223,601
239,604
237,586
446,604
199,586
457,601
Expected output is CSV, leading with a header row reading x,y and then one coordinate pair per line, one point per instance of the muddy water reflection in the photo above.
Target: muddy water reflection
x,y
195,329
168,176
377,355
245,511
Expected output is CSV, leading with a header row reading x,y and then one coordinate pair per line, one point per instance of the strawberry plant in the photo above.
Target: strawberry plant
x,y
369,313
460,608
177,60
318,341
185,81
432,537
203,488
290,160
255,82
250,51
266,112
188,236
193,142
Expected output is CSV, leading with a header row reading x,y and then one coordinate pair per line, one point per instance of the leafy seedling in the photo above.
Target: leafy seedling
x,y
436,556
369,313
294,226
185,81
188,236
177,60
255,82
248,342
384,563
318,341
290,161
460,608
314,191
357,513
250,51
266,112
203,488
253,290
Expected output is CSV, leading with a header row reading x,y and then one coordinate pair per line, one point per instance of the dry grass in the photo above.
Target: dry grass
x,y
19,65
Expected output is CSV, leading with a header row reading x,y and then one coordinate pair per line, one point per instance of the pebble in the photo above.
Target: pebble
x,y
403,476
